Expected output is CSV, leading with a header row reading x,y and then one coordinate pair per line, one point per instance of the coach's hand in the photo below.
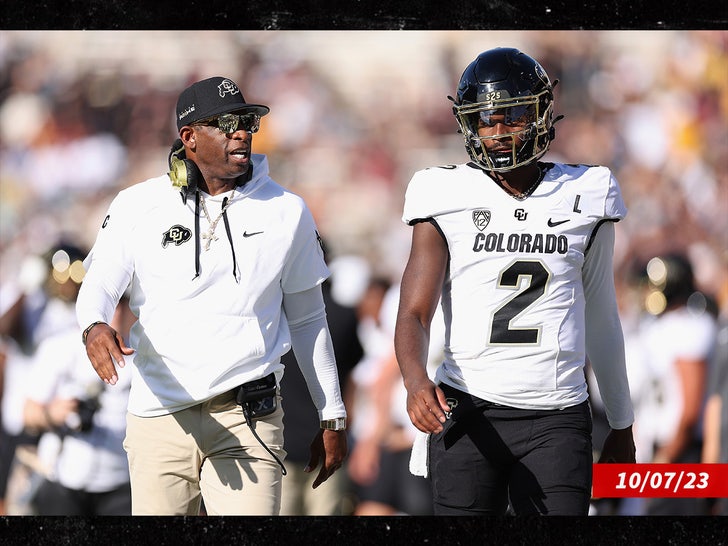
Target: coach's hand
x,y
329,447
105,347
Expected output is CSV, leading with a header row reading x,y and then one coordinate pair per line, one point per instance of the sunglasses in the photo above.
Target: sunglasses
x,y
229,123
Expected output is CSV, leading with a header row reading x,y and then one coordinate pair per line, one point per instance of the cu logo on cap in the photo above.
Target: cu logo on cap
x,y
228,87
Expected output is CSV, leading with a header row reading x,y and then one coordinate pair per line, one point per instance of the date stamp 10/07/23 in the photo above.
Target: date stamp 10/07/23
x,y
660,480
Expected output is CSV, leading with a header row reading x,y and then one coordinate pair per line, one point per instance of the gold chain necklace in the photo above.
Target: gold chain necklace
x,y
209,235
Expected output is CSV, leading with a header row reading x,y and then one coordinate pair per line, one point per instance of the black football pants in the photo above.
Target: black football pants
x,y
490,457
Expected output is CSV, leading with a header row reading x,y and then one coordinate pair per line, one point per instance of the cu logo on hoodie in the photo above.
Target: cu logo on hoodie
x,y
176,234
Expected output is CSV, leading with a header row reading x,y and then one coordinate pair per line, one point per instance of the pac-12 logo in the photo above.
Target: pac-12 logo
x,y
176,234
481,218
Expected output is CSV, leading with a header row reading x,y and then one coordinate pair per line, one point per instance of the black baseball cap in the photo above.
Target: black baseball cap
x,y
210,97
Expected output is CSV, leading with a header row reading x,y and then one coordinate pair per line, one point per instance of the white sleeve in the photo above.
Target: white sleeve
x,y
604,337
314,350
305,266
108,269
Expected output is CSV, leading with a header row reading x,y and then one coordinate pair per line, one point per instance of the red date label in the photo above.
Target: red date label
x,y
660,480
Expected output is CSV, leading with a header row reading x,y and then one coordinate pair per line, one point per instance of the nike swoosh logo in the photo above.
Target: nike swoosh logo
x,y
551,223
246,234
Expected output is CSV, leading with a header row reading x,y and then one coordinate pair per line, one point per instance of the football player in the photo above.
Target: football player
x,y
519,253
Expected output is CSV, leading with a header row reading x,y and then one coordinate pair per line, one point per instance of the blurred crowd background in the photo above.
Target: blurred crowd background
x,y
84,114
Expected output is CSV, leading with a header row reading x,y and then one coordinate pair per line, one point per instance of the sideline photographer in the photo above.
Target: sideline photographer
x,y
80,453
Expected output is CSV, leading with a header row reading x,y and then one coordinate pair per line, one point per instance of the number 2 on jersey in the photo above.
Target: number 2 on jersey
x,y
529,278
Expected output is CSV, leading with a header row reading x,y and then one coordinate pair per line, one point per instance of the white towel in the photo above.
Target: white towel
x,y
419,459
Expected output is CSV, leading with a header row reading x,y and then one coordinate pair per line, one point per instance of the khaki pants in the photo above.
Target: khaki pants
x,y
205,452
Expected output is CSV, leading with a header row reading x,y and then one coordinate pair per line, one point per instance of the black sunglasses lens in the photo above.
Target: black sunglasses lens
x,y
229,123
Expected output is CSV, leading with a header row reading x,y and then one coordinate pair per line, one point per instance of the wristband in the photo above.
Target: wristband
x,y
88,329
334,424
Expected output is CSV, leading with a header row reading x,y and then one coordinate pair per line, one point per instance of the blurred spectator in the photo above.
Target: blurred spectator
x,y
83,424
679,345
379,460
362,466
38,304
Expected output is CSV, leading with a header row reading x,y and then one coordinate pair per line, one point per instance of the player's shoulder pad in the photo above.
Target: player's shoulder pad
x,y
433,190
597,188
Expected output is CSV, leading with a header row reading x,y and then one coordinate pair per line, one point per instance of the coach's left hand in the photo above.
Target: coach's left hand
x,y
330,448
105,347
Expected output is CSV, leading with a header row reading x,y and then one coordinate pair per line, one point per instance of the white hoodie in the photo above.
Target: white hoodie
x,y
199,336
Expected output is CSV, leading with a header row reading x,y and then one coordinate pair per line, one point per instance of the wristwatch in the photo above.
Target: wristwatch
x,y
334,424
85,333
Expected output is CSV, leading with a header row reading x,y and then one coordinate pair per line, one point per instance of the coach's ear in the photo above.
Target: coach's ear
x,y
187,136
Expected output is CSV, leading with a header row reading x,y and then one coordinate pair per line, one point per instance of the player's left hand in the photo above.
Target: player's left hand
x,y
328,447
618,447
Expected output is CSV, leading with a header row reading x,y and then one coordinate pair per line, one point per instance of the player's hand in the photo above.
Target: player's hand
x,y
328,447
618,447
426,405
105,348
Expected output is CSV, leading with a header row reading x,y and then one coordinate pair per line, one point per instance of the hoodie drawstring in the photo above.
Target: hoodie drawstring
x,y
230,237
197,235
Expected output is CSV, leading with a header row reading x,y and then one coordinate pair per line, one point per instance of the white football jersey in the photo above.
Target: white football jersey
x,y
513,298
199,336
677,334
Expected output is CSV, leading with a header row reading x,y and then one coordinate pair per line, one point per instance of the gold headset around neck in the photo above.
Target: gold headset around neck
x,y
183,172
